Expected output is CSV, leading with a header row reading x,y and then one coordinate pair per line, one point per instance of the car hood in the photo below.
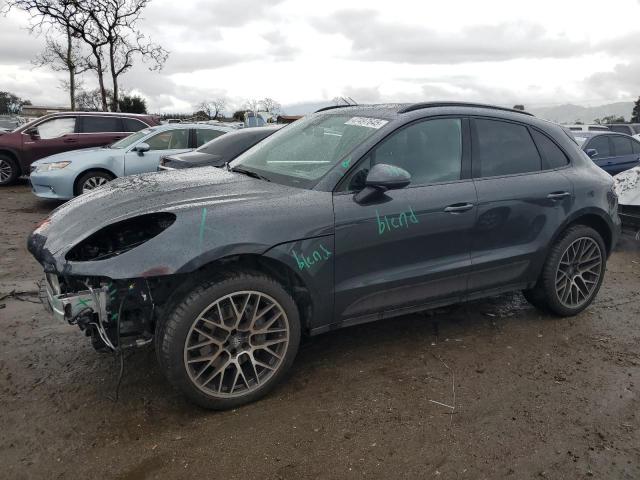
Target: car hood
x,y
226,210
72,155
627,186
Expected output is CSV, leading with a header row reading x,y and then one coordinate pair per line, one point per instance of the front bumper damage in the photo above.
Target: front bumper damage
x,y
116,314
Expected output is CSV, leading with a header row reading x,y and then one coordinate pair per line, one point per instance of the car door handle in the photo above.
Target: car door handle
x,y
70,140
558,195
458,207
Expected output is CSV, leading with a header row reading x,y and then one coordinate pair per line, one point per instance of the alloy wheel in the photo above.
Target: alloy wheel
x,y
236,344
578,272
92,183
6,170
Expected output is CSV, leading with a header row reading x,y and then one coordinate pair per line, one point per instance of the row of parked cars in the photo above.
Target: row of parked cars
x,y
351,214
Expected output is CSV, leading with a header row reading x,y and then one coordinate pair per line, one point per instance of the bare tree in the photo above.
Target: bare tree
x,y
67,56
213,108
270,105
90,100
252,104
72,16
116,21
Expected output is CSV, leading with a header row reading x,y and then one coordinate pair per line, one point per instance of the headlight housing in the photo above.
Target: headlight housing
x,y
46,167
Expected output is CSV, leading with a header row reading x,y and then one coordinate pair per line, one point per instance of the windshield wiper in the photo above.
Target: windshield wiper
x,y
249,173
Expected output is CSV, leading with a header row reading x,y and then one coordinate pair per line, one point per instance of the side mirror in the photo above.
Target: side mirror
x,y
141,148
592,152
33,133
382,177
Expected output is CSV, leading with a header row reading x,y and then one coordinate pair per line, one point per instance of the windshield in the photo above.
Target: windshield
x,y
302,153
131,139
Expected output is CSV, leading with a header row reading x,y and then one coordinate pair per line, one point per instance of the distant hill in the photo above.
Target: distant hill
x,y
571,113
560,114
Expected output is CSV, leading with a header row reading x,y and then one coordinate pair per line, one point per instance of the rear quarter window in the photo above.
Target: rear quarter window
x,y
552,156
133,125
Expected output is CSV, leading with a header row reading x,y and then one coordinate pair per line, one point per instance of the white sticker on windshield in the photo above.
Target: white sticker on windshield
x,y
366,122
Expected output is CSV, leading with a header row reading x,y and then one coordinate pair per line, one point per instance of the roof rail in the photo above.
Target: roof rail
x,y
419,106
331,107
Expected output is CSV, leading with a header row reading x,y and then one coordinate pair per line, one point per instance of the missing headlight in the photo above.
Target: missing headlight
x,y
120,237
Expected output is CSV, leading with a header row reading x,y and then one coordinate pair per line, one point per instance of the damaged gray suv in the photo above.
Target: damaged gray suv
x,y
350,215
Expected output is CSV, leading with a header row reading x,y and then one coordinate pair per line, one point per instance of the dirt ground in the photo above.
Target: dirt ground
x,y
534,396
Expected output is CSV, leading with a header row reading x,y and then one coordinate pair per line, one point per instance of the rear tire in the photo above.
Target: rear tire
x,y
9,170
572,274
230,340
91,180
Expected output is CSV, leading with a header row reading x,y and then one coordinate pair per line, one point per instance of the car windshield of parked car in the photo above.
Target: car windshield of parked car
x,y
306,150
131,139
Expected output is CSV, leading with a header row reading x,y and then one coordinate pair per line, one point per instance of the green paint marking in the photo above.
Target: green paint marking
x,y
319,254
114,316
83,303
202,222
346,163
388,223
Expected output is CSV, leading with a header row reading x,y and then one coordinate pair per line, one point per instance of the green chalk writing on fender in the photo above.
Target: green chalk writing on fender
x,y
387,223
306,261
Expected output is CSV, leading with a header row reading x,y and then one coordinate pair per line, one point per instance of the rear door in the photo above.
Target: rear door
x,y
604,158
523,197
50,137
204,135
98,131
624,157
165,142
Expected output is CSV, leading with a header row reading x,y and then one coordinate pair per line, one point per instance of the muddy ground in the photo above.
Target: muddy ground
x,y
534,396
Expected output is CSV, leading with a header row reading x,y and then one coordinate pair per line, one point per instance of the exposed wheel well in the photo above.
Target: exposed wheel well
x,y
13,156
599,225
181,284
81,174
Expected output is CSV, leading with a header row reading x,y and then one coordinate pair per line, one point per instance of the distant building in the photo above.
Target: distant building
x,y
39,110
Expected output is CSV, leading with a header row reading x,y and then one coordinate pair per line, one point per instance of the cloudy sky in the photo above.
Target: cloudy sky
x,y
539,53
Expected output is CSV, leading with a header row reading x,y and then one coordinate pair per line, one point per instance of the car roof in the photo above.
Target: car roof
x,y
177,126
395,110
97,114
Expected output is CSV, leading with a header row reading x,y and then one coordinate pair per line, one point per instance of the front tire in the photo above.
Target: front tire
x,y
91,180
9,170
572,274
230,341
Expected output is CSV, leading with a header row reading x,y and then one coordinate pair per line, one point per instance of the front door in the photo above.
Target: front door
x,y
410,246
50,137
167,142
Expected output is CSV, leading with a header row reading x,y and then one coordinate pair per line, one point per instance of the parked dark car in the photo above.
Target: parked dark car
x,y
628,128
218,151
613,152
349,215
61,132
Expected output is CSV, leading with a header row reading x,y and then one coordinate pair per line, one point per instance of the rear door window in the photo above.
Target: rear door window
x,y
636,146
621,145
601,144
502,148
204,135
101,124
552,156
170,140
